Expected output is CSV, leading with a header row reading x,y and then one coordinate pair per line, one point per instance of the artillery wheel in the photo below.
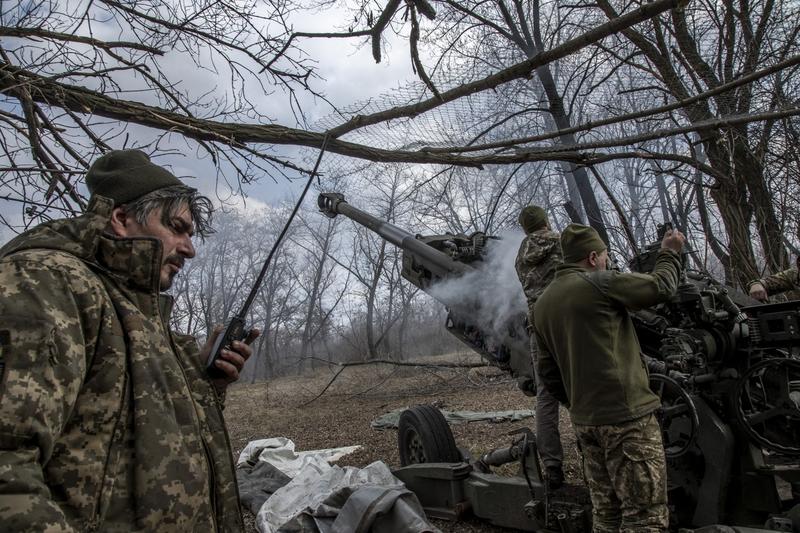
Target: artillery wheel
x,y
424,437
768,404
677,415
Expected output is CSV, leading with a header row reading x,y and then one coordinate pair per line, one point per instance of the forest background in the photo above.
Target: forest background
x,y
621,114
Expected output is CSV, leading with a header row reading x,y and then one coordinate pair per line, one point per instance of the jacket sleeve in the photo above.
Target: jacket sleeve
x,y
538,257
43,360
548,372
786,280
638,291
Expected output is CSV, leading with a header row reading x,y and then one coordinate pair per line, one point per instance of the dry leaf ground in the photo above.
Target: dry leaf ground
x,y
341,417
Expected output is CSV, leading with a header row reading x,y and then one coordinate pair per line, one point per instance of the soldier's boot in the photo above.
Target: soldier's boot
x,y
554,476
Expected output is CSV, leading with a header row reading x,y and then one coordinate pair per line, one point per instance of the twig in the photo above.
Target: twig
x,y
382,361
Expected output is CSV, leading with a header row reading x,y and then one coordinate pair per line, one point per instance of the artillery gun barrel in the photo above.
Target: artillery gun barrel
x,y
430,259
439,263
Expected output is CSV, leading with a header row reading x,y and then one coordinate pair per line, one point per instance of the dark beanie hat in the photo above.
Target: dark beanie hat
x,y
125,175
532,218
577,241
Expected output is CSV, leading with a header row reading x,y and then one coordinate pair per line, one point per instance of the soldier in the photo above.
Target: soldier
x,y
107,420
589,359
787,280
537,259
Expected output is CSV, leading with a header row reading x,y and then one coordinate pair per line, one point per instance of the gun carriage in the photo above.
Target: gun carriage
x,y
730,414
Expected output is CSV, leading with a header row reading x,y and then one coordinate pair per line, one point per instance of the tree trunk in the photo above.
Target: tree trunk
x,y
371,297
314,296
581,177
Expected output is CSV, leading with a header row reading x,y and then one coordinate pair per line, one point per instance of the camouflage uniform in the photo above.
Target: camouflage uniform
x,y
786,280
629,459
106,420
537,259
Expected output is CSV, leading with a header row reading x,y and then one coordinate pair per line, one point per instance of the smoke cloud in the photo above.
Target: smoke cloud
x,y
491,295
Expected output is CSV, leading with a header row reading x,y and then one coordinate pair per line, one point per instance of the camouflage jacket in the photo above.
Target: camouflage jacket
x,y
537,259
106,420
786,280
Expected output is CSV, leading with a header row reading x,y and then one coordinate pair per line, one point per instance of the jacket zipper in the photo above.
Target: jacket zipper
x,y
117,436
213,482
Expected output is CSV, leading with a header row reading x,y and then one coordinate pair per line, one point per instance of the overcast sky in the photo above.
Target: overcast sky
x,y
349,75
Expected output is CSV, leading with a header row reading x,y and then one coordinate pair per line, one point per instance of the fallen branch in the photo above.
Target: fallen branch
x,y
345,365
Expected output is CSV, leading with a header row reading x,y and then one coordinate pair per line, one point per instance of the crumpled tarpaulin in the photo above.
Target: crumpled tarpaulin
x,y
258,481
321,497
280,453
391,419
333,499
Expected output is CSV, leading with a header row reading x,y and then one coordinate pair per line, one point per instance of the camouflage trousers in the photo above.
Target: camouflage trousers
x,y
627,475
548,437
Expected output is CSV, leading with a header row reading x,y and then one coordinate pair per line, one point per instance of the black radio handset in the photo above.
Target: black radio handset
x,y
235,331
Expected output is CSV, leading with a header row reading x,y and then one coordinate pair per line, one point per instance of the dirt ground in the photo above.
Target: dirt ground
x,y
341,417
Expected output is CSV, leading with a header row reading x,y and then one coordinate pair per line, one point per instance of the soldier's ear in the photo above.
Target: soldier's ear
x,y
119,223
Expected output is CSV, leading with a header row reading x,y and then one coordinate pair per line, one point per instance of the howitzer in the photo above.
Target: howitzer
x,y
428,260
730,421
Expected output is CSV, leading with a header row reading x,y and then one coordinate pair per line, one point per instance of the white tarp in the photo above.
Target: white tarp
x,y
280,452
332,499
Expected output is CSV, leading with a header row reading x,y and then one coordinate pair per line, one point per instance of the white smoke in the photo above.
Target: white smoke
x,y
491,294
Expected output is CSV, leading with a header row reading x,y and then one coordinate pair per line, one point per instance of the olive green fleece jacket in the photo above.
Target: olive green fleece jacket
x,y
589,356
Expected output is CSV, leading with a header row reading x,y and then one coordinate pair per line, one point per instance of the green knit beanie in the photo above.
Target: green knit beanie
x,y
577,241
532,218
125,175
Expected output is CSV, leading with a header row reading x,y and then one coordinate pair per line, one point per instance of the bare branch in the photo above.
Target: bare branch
x,y
520,70
344,366
68,37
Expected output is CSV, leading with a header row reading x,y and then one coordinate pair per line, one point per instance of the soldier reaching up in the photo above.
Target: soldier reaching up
x,y
589,359
537,259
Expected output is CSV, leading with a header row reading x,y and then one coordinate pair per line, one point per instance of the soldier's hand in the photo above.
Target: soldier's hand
x,y
758,292
681,377
673,240
231,361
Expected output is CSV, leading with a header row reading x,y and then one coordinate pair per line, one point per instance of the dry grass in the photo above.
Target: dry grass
x,y
342,416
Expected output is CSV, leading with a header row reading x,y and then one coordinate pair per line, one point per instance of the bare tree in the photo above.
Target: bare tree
x,y
321,280
120,51
497,34
705,46
69,89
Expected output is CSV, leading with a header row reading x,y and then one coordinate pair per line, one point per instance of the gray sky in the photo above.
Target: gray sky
x,y
348,75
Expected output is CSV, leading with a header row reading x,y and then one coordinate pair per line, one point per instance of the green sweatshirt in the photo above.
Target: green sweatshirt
x,y
589,355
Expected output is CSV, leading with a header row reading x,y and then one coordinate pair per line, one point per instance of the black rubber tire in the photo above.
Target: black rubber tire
x,y
794,516
424,436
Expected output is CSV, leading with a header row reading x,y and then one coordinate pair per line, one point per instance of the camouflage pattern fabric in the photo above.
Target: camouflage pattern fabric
x,y
626,473
786,280
106,420
537,259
